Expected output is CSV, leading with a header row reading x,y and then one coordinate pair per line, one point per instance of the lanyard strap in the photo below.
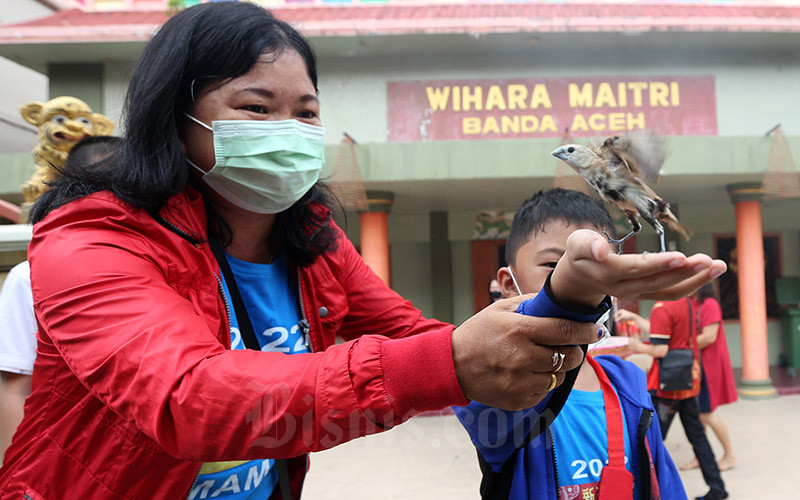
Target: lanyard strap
x,y
614,423
251,342
692,324
242,318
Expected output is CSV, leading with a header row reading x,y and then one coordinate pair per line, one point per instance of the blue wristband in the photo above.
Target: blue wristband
x,y
546,305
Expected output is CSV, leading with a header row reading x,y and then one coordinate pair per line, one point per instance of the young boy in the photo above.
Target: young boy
x,y
608,412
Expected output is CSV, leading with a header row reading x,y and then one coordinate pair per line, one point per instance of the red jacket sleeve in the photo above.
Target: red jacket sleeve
x,y
419,353
106,297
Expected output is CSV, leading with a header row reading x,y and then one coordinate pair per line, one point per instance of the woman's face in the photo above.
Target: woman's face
x,y
278,89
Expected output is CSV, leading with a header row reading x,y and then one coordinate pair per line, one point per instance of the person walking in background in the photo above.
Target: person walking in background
x,y
674,325
495,293
718,386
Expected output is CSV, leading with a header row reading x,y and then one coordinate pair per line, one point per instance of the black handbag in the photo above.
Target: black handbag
x,y
675,369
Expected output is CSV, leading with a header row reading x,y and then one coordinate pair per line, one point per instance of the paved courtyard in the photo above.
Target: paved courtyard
x,y
431,457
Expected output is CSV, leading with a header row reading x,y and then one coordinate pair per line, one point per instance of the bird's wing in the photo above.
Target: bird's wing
x,y
643,152
610,159
613,161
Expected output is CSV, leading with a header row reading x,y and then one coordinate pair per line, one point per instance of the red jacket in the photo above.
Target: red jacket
x,y
135,386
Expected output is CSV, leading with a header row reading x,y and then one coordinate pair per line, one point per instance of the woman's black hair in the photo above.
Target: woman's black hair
x,y
198,47
707,291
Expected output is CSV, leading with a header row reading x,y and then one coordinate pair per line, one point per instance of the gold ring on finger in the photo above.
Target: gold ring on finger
x,y
558,360
553,380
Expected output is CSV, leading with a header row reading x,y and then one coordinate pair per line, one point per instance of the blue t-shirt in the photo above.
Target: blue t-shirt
x,y
270,297
581,445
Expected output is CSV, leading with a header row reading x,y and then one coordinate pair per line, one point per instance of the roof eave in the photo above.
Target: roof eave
x,y
14,35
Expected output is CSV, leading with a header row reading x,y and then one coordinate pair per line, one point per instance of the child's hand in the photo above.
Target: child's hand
x,y
590,270
635,344
623,315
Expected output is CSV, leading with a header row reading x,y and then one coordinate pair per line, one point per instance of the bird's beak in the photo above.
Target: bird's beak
x,y
560,154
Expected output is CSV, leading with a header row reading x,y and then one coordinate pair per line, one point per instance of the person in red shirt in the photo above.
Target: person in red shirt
x,y
673,325
718,385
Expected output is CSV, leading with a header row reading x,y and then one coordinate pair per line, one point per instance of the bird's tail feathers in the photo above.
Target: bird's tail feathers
x,y
665,214
669,218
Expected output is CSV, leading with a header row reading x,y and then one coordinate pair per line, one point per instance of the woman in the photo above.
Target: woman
x,y
206,233
718,387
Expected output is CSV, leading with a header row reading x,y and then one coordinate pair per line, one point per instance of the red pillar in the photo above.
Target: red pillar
x,y
375,234
755,383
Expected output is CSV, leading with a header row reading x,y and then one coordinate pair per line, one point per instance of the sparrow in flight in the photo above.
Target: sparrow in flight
x,y
618,170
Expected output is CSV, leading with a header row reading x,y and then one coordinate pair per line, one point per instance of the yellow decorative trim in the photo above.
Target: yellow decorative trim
x,y
747,191
756,392
380,200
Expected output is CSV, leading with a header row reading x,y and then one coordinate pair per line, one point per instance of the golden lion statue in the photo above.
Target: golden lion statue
x,y
62,123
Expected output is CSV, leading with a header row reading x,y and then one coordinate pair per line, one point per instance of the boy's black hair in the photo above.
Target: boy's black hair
x,y
91,150
572,207
88,159
199,48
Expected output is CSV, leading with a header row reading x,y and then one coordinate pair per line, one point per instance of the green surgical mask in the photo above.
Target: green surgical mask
x,y
264,166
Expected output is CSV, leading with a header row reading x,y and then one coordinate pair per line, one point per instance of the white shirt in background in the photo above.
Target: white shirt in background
x,y
17,322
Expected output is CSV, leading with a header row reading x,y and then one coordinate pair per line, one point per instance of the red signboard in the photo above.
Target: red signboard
x,y
544,107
